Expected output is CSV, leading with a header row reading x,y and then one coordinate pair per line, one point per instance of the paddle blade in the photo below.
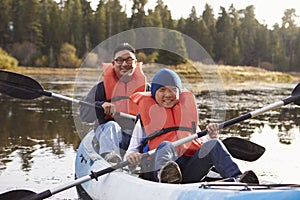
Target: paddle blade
x,y
296,94
19,86
17,194
243,149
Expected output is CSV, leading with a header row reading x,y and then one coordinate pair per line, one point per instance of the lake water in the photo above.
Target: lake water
x,y
39,138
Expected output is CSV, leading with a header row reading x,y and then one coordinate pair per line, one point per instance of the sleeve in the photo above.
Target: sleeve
x,y
137,136
88,114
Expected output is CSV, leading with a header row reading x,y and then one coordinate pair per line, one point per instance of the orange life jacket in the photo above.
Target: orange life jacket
x,y
118,92
155,118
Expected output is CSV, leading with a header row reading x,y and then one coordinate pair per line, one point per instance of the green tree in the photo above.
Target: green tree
x,y
172,53
5,25
116,19
205,38
297,55
278,59
26,21
164,14
225,38
209,22
181,23
153,19
99,26
289,34
65,13
138,13
236,23
51,29
247,36
87,26
192,27
76,25
262,44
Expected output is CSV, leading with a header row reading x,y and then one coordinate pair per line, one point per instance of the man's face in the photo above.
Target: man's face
x,y
124,63
167,96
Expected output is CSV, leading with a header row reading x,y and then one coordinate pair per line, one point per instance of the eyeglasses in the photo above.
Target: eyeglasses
x,y
128,60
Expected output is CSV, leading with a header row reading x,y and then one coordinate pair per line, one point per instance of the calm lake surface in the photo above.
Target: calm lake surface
x,y
38,138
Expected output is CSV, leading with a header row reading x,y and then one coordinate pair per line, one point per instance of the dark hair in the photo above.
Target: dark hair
x,y
124,46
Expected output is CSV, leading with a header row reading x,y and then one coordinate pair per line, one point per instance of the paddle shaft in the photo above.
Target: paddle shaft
x,y
246,116
79,102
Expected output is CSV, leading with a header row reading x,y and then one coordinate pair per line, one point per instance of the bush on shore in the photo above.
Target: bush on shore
x,y
7,61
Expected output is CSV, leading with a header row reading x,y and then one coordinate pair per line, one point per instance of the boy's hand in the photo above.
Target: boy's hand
x,y
213,130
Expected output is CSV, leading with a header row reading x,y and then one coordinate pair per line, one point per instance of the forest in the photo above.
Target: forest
x,y
48,33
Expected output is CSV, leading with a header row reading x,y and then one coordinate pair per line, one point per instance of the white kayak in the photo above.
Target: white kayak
x,y
119,184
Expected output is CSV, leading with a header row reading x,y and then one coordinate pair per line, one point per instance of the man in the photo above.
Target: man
x,y
121,78
168,114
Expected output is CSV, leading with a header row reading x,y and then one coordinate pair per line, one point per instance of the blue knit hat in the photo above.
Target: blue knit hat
x,y
165,77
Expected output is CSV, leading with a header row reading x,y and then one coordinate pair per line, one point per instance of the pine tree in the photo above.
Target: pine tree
x,y
210,24
172,53
138,13
99,31
6,26
51,31
278,59
164,14
225,38
289,33
248,31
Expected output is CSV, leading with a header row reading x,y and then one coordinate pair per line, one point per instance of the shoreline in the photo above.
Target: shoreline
x,y
229,77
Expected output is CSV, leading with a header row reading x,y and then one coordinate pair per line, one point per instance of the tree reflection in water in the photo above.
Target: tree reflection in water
x,y
24,124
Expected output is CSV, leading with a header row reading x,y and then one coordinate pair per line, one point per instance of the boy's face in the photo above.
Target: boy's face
x,y
167,96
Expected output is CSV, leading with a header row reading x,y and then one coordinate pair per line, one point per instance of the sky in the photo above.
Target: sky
x,y
266,11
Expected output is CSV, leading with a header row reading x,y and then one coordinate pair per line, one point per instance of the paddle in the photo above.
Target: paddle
x,y
24,87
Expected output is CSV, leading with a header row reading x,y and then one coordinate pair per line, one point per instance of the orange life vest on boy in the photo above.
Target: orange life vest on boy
x,y
118,92
155,118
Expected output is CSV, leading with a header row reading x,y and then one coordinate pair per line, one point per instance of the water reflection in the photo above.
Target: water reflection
x,y
45,121
236,103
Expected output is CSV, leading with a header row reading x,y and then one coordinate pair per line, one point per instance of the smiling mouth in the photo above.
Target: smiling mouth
x,y
167,101
125,69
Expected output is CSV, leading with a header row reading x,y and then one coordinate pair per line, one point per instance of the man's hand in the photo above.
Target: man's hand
x,y
109,108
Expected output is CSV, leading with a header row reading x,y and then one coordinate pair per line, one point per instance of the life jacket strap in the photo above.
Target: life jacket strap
x,y
167,130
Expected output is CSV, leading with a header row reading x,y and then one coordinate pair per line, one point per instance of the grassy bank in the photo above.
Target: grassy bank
x,y
44,71
195,73
243,74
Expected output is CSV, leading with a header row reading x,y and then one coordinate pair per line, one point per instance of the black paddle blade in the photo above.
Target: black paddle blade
x,y
243,149
296,94
17,194
19,86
